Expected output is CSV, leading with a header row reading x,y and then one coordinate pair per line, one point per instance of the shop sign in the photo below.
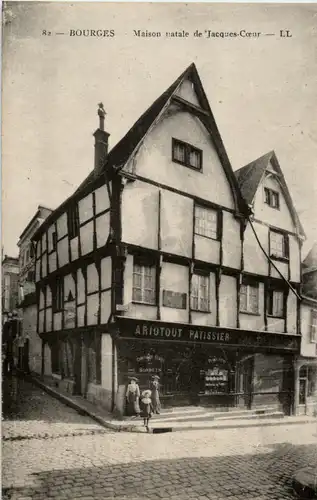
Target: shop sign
x,y
149,363
176,300
175,332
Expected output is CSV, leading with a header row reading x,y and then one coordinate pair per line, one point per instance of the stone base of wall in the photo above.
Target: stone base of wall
x,y
97,395
66,385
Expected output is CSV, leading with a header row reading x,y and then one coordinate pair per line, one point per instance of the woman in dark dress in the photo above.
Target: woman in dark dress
x,y
155,395
133,397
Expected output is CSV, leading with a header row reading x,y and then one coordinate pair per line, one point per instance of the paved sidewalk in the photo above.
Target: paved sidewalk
x,y
169,424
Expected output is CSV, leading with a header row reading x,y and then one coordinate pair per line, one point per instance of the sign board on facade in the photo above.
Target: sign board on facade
x,y
176,300
175,332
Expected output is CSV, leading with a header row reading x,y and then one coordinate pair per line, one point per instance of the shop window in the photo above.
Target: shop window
x,y
249,297
276,303
144,282
73,221
199,298
272,198
206,222
313,325
279,246
186,154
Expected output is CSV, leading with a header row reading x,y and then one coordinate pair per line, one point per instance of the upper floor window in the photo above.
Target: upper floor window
x,y
144,282
313,325
57,295
272,198
73,221
186,154
199,297
279,245
31,251
276,303
206,222
249,297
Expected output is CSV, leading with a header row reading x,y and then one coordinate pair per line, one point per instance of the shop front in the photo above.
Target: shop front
x,y
207,366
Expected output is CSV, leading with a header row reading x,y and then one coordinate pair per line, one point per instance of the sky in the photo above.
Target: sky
x,y
262,91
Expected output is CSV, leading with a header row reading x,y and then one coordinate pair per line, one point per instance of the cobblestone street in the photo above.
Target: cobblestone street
x,y
50,451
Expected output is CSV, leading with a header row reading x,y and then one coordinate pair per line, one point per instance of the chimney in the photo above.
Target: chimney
x,y
101,142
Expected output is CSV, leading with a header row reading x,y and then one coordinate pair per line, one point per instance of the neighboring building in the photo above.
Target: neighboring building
x,y
151,267
10,271
309,273
306,365
271,279
10,317
30,340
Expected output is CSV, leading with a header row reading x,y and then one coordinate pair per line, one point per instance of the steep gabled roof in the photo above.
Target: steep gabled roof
x,y
122,151
249,178
310,261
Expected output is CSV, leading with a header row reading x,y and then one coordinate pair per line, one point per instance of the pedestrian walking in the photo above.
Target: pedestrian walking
x,y
133,398
146,407
155,394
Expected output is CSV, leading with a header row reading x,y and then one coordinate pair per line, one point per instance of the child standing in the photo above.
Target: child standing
x,y
146,407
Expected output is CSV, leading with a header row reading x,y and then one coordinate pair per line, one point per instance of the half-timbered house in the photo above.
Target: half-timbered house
x,y
141,271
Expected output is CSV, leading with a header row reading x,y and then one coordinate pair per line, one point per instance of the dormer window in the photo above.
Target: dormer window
x,y
186,154
271,198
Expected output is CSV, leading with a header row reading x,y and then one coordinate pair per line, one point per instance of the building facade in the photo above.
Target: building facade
x,y
10,272
30,342
152,267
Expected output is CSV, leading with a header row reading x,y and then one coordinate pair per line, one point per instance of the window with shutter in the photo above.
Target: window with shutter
x,y
206,222
199,297
279,245
144,283
249,297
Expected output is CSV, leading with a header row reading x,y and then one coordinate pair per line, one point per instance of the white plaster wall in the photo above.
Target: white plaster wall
x,y
174,278
92,278
44,265
41,322
63,255
154,159
208,319
47,360
128,280
87,238
50,231
186,91
206,249
48,318
92,309
282,267
48,296
295,258
81,315
74,248
275,324
307,348
102,229
52,262
141,311
102,199
176,223
80,287
291,313
85,208
105,305
61,225
140,203
57,321
37,270
69,286
279,218
231,243
41,302
254,259
228,301
106,272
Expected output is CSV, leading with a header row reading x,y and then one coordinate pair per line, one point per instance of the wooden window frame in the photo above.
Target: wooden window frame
x,y
197,231
285,254
269,196
270,303
188,149
249,284
144,263
57,289
199,297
